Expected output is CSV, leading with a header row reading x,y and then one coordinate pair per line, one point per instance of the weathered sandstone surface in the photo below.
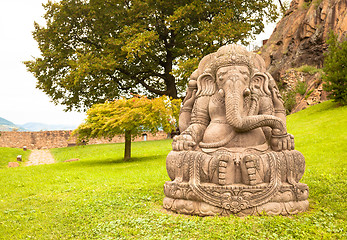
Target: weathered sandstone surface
x,y
300,37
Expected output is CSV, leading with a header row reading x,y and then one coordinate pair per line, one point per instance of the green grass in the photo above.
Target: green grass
x,y
10,155
102,197
321,135
309,69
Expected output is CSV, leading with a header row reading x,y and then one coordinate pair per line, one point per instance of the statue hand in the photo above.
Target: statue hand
x,y
282,142
183,142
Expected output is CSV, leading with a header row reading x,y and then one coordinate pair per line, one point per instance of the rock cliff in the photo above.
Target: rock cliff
x,y
300,37
298,43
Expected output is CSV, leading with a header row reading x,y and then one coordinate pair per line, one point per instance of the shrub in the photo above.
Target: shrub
x,y
308,94
317,2
288,95
308,69
305,5
301,88
335,68
284,6
289,100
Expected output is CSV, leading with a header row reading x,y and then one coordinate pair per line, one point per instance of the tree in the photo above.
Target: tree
x,y
335,68
96,50
284,6
130,117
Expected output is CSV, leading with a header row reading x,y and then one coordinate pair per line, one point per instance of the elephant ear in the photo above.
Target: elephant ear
x,y
275,94
206,62
260,84
206,85
273,86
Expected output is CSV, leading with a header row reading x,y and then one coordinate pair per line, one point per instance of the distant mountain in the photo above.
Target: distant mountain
x,y
6,125
3,121
34,126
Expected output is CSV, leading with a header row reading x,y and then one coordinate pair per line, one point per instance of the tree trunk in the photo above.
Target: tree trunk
x,y
171,86
169,78
127,150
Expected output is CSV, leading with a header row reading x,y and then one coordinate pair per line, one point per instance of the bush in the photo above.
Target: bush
x,y
301,88
288,95
317,2
289,100
308,94
335,69
308,69
304,5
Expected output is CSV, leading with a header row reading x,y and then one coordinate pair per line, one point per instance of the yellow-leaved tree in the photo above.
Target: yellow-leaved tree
x,y
130,117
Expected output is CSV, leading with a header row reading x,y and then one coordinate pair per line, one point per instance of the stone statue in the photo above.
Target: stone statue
x,y
234,155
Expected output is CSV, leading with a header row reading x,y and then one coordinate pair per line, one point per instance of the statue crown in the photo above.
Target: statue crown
x,y
232,55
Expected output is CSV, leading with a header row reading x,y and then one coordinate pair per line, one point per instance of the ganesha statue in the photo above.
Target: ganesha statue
x,y
234,154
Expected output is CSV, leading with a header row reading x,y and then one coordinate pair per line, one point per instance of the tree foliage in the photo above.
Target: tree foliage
x,y
130,117
94,50
335,68
284,6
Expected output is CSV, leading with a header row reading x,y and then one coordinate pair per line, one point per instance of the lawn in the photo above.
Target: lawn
x,y
10,155
103,197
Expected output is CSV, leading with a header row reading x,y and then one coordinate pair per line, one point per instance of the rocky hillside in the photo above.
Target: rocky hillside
x,y
302,87
300,37
298,40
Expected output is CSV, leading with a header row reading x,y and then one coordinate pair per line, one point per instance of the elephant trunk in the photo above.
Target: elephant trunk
x,y
233,102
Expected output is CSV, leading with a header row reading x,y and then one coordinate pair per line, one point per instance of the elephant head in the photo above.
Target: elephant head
x,y
234,72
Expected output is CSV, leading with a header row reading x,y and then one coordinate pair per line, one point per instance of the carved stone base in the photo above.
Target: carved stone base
x,y
204,209
235,200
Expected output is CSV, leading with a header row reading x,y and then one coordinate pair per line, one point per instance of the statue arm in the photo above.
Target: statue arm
x,y
279,109
193,134
285,142
187,106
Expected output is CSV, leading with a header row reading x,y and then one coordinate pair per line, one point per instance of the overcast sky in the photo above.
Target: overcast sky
x,y
20,101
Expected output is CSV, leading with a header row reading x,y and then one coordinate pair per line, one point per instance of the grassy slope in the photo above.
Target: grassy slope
x,y
10,155
321,135
103,197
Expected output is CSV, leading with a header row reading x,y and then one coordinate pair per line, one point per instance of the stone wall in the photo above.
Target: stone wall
x,y
58,139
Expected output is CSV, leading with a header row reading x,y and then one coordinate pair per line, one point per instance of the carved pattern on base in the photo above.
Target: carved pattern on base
x,y
191,207
234,199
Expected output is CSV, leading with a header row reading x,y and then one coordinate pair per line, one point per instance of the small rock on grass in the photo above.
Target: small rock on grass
x,y
72,160
13,164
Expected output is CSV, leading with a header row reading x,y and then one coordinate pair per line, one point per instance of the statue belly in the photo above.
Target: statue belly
x,y
247,139
216,132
